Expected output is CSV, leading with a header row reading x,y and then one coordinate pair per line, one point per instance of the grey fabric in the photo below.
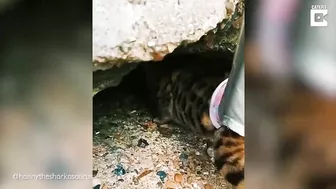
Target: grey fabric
x,y
232,106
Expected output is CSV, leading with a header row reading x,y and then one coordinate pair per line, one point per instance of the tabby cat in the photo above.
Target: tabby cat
x,y
183,95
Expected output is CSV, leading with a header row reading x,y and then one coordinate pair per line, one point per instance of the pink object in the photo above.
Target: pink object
x,y
214,103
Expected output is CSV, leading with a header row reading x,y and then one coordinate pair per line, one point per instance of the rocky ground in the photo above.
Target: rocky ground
x,y
130,151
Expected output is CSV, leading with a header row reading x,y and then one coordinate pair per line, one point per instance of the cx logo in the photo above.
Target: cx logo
x,y
317,17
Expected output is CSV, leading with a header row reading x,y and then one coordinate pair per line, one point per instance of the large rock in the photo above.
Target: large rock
x,y
121,35
144,30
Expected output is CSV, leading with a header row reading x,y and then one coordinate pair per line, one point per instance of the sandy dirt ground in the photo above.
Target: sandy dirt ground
x,y
131,152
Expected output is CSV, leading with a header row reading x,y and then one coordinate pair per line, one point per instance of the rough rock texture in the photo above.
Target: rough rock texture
x,y
144,30
222,38
152,38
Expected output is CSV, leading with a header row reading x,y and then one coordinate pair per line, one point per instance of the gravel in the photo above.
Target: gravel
x,y
152,156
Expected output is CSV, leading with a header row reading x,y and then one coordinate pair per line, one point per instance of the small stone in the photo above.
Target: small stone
x,y
176,163
144,173
208,186
178,177
197,153
142,143
119,171
105,186
150,125
159,184
171,184
135,181
94,173
183,156
210,152
198,185
162,175
165,132
190,179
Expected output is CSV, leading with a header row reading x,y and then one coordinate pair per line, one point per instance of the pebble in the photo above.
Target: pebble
x,y
162,175
159,184
144,173
97,186
94,173
171,184
135,181
190,179
119,171
210,152
142,143
198,185
151,126
208,186
105,187
165,132
178,177
183,156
